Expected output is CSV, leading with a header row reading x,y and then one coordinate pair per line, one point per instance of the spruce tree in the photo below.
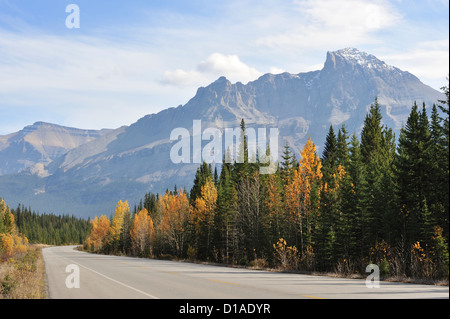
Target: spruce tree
x,y
342,142
371,153
202,174
288,164
353,204
329,154
412,176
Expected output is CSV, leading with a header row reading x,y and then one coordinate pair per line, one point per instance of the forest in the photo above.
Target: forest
x,y
376,199
36,228
50,229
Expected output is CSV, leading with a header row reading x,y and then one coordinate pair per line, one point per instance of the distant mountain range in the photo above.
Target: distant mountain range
x,y
40,143
85,172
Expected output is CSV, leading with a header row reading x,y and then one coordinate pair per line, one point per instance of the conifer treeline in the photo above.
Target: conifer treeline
x,y
49,228
373,200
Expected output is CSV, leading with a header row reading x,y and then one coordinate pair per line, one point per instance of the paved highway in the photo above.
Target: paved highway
x,y
106,277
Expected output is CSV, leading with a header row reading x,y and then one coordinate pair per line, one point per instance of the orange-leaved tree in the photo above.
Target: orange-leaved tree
x,y
301,194
203,215
175,214
100,228
115,230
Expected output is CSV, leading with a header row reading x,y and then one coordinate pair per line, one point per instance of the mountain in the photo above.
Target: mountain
x,y
40,143
125,163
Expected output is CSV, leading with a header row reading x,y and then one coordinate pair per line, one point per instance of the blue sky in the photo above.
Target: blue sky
x,y
132,58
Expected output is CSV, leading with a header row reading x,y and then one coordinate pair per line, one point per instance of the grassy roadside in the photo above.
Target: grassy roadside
x,y
336,274
22,276
262,265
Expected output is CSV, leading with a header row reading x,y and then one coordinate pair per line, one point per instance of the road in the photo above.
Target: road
x,y
116,277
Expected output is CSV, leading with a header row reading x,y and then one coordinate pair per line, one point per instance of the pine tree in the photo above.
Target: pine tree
x,y
226,216
329,154
241,167
412,176
377,150
371,133
342,143
203,173
288,163
353,203
444,162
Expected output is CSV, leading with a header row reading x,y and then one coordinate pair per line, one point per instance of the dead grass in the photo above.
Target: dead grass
x,y
23,276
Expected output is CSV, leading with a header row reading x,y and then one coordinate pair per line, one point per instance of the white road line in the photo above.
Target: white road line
x,y
114,280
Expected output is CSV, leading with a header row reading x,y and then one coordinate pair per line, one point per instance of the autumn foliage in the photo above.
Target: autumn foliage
x,y
100,228
175,215
11,242
364,201
142,234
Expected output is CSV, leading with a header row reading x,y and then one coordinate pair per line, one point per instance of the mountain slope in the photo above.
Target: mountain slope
x,y
40,143
130,161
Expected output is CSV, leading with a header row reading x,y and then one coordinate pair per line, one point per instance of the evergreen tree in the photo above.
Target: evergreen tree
x,y
444,163
49,228
371,133
353,203
412,176
329,154
241,166
288,164
227,209
342,156
203,173
371,152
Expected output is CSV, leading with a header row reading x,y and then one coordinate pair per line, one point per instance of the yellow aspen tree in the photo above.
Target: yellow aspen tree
x,y
115,229
6,245
203,213
142,233
300,190
175,214
7,222
99,231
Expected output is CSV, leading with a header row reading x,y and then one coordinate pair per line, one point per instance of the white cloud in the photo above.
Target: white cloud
x,y
216,65
429,61
183,78
87,64
230,66
276,70
325,24
361,16
84,82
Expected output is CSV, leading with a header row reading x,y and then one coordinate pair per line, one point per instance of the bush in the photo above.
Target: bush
x,y
191,253
286,257
259,263
7,285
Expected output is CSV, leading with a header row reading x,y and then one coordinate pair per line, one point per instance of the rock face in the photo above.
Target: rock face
x,y
125,163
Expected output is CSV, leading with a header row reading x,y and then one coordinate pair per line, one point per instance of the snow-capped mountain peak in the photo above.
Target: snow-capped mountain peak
x,y
355,57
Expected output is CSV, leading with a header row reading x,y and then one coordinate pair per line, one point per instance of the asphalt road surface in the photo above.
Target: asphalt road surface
x,y
106,277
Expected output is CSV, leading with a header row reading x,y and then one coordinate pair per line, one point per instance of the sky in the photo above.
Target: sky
x,y
131,58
